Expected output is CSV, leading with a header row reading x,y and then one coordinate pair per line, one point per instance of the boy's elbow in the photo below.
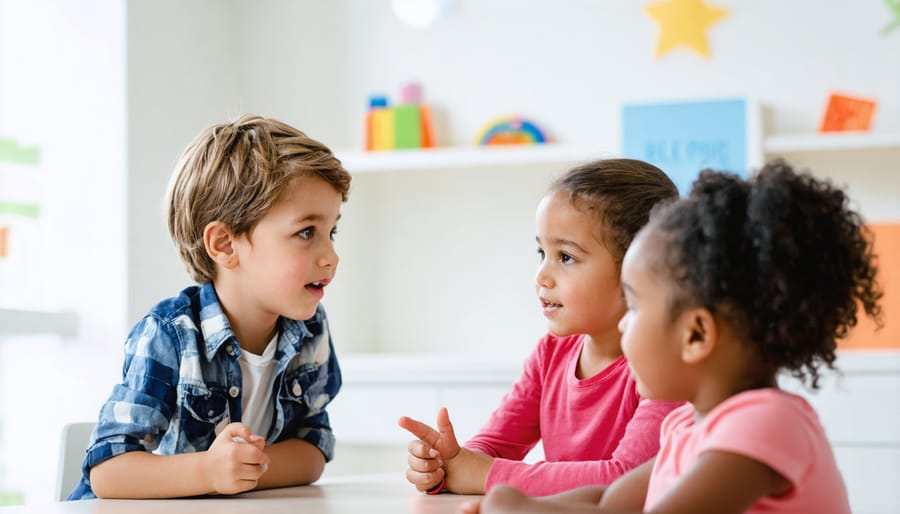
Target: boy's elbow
x,y
315,470
99,482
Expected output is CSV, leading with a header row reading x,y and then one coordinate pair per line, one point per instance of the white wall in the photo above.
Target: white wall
x,y
62,88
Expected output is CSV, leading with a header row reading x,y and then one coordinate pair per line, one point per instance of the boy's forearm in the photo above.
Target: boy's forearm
x,y
293,462
141,474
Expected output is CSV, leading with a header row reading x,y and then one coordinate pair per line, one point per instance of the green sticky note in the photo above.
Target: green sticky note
x,y
407,127
10,151
8,498
28,210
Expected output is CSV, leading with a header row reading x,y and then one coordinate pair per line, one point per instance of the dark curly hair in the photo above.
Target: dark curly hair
x,y
781,256
619,194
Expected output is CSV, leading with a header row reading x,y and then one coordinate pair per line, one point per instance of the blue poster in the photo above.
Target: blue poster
x,y
685,137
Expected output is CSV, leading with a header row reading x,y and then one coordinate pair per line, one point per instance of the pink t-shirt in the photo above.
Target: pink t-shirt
x,y
593,430
778,429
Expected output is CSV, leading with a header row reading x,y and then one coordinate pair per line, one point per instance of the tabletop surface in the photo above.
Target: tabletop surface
x,y
376,494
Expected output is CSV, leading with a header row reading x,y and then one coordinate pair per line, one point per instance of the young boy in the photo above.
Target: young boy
x,y
224,386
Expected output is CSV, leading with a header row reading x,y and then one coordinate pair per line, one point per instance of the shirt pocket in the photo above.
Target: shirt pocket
x,y
303,392
204,409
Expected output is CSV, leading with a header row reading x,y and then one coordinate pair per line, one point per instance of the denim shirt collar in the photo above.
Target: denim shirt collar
x,y
217,330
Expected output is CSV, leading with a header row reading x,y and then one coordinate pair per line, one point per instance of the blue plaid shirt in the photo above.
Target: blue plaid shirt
x,y
182,380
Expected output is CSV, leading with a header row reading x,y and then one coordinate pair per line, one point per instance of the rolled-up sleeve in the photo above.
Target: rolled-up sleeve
x,y
138,411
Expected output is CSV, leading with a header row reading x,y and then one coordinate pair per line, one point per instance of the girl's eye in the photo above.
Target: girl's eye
x,y
565,258
307,233
540,253
332,234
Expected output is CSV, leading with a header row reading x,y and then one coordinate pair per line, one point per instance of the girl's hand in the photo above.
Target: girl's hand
x,y
235,460
432,449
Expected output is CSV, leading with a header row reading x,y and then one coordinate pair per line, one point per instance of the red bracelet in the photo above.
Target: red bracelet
x,y
438,488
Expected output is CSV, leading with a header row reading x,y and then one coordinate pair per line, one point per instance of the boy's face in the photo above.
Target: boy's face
x,y
650,338
577,281
289,256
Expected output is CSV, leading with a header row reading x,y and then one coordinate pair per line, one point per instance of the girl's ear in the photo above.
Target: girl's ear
x,y
700,336
218,240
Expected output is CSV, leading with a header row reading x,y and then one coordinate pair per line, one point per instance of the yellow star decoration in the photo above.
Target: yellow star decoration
x,y
684,22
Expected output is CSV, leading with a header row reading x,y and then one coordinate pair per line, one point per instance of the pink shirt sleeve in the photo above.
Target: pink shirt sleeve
x,y
593,430
640,443
766,427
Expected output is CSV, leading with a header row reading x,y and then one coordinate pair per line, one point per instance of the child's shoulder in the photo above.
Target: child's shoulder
x,y
183,299
185,311
767,407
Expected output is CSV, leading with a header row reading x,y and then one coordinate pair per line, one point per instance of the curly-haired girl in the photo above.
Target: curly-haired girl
x,y
726,289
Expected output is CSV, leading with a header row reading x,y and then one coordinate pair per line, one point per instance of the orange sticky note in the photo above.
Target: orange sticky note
x,y
4,241
846,113
864,334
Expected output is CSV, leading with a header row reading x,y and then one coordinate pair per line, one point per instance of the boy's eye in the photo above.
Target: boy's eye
x,y
565,258
332,234
307,233
540,253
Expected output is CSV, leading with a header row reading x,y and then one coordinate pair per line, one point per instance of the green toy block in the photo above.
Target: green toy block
x,y
407,127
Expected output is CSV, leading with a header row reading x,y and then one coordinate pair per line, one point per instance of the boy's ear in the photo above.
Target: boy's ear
x,y
218,240
699,336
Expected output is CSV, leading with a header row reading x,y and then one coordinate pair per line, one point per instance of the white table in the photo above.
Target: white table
x,y
375,494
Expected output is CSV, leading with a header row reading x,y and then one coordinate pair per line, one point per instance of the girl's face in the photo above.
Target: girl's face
x,y
577,281
650,336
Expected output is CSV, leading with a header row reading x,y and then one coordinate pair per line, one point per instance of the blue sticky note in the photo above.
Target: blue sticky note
x,y
682,138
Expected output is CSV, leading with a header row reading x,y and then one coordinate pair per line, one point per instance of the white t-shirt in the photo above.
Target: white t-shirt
x,y
258,377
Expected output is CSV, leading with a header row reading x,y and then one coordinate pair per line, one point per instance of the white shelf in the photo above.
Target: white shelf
x,y
791,143
17,322
563,154
463,157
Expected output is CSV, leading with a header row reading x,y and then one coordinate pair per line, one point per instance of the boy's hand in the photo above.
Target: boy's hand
x,y
236,460
430,451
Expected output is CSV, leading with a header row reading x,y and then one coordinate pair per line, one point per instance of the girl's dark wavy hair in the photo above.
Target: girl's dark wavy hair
x,y
781,256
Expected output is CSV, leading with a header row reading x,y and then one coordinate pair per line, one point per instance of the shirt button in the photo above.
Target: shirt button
x,y
234,391
297,389
229,348
210,413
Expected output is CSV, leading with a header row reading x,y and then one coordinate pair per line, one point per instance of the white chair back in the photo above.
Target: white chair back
x,y
75,439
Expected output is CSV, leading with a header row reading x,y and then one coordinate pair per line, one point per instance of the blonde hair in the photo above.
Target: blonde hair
x,y
234,173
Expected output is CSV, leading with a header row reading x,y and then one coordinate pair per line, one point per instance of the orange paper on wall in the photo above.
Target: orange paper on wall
x,y
847,113
864,335
4,241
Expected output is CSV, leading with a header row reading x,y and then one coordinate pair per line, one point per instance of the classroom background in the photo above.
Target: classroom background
x,y
434,303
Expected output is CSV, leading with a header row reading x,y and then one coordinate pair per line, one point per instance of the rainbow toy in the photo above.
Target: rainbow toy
x,y
511,130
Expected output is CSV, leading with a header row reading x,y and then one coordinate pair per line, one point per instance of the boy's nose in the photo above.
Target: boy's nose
x,y
329,257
